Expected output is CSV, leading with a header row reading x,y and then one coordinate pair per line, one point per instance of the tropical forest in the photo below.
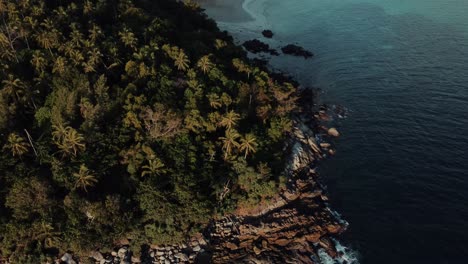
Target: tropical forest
x,y
120,119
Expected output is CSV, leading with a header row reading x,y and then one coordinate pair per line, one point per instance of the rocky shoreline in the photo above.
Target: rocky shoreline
x,y
256,46
297,226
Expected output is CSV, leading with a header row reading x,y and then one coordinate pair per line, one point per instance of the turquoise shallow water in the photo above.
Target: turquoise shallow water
x,y
401,174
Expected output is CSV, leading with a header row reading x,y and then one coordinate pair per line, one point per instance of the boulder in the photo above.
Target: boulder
x,y
196,248
256,46
182,256
256,250
333,132
96,255
67,258
123,242
295,50
267,33
202,241
122,253
231,246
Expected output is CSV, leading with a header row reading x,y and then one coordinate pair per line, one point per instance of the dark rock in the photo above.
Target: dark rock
x,y
295,50
256,46
267,33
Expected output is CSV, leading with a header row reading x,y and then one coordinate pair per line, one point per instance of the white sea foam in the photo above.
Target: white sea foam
x,y
345,255
250,29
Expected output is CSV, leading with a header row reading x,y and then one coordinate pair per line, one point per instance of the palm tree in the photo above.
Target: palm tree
x,y
94,56
84,178
229,142
229,119
205,64
38,61
76,37
73,141
95,32
68,140
219,44
17,145
76,56
59,65
248,144
128,38
215,101
4,41
87,7
181,61
44,232
48,39
155,166
3,6
13,86
59,132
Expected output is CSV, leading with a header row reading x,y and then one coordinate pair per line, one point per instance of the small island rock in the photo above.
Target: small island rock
x,y
267,33
295,50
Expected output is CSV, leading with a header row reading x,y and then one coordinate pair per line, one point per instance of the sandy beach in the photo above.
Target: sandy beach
x,y
226,11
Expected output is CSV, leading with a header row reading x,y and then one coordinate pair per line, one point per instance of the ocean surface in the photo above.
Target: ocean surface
x,y
400,176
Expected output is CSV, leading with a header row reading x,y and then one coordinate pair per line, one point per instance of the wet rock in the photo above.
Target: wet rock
x,y
256,46
325,145
135,259
267,33
295,50
333,132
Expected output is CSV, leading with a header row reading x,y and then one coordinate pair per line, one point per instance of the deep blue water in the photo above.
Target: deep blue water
x,y
401,66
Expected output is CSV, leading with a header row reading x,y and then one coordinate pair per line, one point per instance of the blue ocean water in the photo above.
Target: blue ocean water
x,y
401,66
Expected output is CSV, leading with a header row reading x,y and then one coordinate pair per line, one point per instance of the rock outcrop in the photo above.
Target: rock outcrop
x,y
256,46
293,227
267,33
295,50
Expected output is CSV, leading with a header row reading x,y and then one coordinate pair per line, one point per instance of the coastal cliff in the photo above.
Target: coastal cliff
x,y
294,227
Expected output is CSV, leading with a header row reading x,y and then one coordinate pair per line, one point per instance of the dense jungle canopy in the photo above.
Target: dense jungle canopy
x,y
123,118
